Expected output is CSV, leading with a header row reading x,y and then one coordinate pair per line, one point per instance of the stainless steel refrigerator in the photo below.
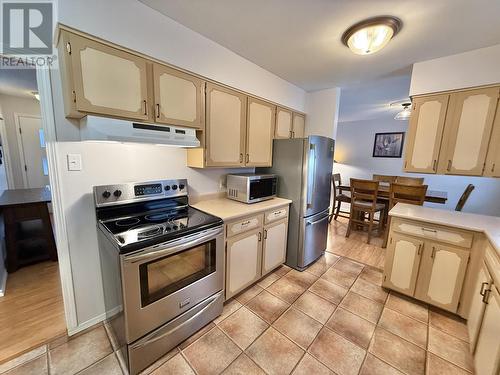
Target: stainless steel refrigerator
x,y
304,169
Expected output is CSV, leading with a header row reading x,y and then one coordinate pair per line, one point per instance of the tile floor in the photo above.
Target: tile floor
x,y
333,318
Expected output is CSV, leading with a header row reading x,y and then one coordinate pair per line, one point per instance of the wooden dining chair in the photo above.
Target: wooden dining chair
x,y
364,194
384,178
339,197
465,196
409,180
402,193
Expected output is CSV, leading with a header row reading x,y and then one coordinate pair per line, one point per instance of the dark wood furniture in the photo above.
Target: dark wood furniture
x,y
339,197
364,194
432,196
384,178
465,196
409,180
28,231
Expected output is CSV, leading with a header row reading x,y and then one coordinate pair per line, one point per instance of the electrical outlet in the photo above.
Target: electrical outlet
x,y
74,162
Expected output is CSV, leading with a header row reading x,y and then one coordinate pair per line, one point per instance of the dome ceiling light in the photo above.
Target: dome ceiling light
x,y
371,35
405,113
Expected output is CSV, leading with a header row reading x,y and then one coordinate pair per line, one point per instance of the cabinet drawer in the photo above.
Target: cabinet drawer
x,y
276,214
242,225
447,235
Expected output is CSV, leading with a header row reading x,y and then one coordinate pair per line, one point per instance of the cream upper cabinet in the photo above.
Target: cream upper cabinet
x,y
243,261
225,127
492,168
467,132
483,283
179,97
487,353
442,275
402,262
107,80
425,132
299,125
259,135
274,248
283,123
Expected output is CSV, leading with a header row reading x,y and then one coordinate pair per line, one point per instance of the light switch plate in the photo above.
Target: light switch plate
x,y
74,162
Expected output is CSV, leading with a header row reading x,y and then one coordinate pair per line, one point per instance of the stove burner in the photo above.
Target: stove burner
x,y
158,217
127,222
154,231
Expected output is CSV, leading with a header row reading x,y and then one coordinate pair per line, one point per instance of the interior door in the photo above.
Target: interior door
x,y
260,131
493,158
483,283
299,124
317,174
468,131
33,152
283,123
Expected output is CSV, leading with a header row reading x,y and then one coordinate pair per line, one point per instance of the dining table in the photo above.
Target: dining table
x,y
432,196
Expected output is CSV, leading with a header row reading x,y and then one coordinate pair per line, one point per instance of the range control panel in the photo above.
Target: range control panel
x,y
106,195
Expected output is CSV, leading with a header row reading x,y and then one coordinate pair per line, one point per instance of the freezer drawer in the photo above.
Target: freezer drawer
x,y
314,230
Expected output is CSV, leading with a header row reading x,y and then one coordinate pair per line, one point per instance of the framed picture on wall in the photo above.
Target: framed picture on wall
x,y
388,145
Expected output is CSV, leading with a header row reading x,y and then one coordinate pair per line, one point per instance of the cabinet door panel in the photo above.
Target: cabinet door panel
x,y
260,131
425,133
109,81
487,354
402,262
274,250
243,259
299,125
442,275
468,131
483,282
493,158
283,123
225,127
178,97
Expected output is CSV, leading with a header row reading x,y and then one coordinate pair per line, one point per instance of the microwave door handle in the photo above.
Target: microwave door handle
x,y
311,172
168,248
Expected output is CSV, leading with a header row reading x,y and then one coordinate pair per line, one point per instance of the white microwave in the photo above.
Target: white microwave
x,y
251,188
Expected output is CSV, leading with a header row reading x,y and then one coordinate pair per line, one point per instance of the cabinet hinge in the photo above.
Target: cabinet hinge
x,y
68,48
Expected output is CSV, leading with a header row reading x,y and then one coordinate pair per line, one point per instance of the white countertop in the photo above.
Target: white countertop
x,y
228,209
489,225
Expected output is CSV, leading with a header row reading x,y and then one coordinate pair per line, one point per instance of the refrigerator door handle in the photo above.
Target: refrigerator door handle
x,y
317,221
312,174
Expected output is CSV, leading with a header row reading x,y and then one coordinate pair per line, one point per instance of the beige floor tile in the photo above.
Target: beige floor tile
x,y
26,357
319,267
243,366
79,353
308,365
362,306
159,362
212,353
339,354
298,327
274,353
268,280
399,353
407,328
109,366
37,366
338,277
243,327
176,365
450,348
449,323
369,290
352,327
331,259
303,279
438,366
196,336
229,307
348,266
315,306
282,270
286,289
408,306
248,294
372,275
374,366
332,292
267,306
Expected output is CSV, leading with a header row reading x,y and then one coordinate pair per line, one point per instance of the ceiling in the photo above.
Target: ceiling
x,y
299,40
18,82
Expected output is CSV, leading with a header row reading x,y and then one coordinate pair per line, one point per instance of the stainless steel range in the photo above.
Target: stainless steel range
x,y
162,266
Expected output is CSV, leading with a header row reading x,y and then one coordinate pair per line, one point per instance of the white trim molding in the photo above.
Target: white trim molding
x,y
6,154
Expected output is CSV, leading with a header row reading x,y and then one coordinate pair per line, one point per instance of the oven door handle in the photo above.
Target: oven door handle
x,y
172,247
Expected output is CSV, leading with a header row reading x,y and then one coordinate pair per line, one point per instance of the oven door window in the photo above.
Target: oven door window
x,y
164,276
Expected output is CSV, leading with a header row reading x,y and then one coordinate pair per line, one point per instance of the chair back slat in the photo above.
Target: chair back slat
x,y
364,191
411,194
464,197
384,178
409,180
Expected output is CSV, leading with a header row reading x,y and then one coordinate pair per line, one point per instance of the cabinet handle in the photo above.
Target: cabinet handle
x,y
145,107
260,236
419,249
265,234
247,158
241,158
493,167
429,230
291,134
448,168
434,165
157,110
486,296
482,291
433,254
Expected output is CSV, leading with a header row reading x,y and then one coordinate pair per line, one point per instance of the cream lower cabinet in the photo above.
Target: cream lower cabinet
x,y
483,283
402,262
274,250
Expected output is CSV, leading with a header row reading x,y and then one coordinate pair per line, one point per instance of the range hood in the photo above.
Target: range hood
x,y
94,128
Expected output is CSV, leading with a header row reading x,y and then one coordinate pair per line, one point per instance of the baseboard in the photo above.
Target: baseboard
x,y
3,283
92,322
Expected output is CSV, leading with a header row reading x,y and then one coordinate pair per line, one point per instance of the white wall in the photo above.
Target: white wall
x,y
322,112
21,105
135,26
468,69
354,147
